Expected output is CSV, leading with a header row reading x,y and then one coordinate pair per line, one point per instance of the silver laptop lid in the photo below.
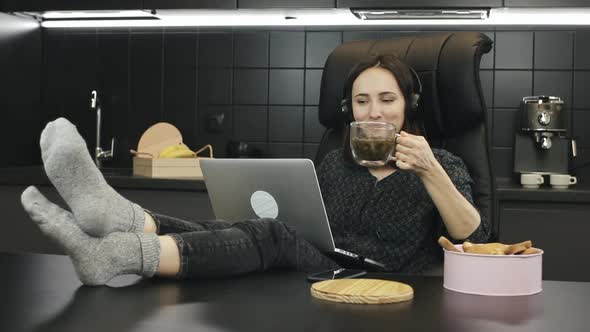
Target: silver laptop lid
x,y
241,189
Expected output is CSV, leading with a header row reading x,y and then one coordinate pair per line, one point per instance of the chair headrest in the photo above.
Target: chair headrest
x,y
448,67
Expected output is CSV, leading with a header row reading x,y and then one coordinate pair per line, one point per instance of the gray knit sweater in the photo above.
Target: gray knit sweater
x,y
393,221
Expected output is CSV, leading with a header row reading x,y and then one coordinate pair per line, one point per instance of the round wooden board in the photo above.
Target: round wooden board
x,y
362,291
157,137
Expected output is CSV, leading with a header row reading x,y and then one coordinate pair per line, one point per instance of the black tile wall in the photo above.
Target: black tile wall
x,y
251,123
486,77
215,127
80,53
216,49
581,121
506,122
310,151
313,130
251,86
503,159
360,35
113,87
582,50
487,60
284,150
581,84
214,86
52,91
490,119
313,80
251,49
262,86
286,86
145,81
179,104
285,123
511,86
287,49
514,50
394,34
180,49
21,57
582,165
180,82
553,49
318,46
554,83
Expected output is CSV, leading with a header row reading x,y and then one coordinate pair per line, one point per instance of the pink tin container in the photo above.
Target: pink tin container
x,y
495,275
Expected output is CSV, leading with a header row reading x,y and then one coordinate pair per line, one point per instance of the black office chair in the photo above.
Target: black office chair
x,y
452,103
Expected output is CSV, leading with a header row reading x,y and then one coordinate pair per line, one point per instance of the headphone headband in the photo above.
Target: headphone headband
x,y
417,79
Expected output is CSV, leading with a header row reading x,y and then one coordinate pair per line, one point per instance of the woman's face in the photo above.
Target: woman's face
x,y
376,96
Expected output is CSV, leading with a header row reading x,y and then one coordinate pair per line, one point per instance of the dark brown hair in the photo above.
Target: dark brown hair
x,y
404,76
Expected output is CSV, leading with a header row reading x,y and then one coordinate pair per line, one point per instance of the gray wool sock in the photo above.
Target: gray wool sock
x,y
96,260
98,209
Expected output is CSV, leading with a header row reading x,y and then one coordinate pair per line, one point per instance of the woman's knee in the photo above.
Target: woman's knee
x,y
267,229
275,239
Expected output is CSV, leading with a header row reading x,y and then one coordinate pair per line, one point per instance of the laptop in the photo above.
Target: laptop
x,y
283,189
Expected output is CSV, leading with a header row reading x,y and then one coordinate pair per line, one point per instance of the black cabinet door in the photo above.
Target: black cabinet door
x,y
46,5
560,229
546,3
190,4
417,3
287,4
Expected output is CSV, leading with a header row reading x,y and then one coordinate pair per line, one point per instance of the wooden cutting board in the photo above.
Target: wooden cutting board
x,y
157,137
362,291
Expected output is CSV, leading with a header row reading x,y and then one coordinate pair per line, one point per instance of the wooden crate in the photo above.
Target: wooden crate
x,y
154,139
168,167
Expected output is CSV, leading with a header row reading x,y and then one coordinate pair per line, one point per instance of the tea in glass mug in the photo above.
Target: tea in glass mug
x,y
372,143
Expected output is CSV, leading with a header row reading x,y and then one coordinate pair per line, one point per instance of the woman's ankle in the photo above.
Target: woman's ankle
x,y
150,224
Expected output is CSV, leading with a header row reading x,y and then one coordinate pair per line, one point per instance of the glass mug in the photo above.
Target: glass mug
x,y
372,143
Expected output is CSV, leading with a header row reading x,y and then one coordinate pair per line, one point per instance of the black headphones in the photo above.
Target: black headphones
x,y
414,97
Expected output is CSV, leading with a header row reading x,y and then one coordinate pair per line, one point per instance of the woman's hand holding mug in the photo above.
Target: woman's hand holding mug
x,y
413,153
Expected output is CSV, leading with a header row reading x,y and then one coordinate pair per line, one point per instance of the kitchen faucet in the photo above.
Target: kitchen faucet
x,y
99,154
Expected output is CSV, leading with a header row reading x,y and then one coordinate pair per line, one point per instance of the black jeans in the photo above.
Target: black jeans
x,y
220,248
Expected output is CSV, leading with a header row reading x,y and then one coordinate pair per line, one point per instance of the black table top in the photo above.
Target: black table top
x,y
42,293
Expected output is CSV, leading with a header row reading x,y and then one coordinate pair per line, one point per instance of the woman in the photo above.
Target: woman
x,y
391,214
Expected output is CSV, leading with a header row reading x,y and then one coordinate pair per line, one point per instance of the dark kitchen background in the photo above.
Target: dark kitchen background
x,y
259,86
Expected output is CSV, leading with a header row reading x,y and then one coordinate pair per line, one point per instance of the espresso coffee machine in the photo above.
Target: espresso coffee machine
x,y
541,144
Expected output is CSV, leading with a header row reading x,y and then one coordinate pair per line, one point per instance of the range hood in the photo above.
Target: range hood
x,y
420,14
340,17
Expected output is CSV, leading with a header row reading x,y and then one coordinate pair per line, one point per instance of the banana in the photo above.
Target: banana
x,y
177,151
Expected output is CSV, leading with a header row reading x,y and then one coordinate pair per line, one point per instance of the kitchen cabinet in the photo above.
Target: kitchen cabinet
x,y
559,228
546,3
254,4
43,5
418,3
190,4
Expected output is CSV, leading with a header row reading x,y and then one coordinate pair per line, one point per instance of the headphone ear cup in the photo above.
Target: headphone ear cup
x,y
344,106
415,101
